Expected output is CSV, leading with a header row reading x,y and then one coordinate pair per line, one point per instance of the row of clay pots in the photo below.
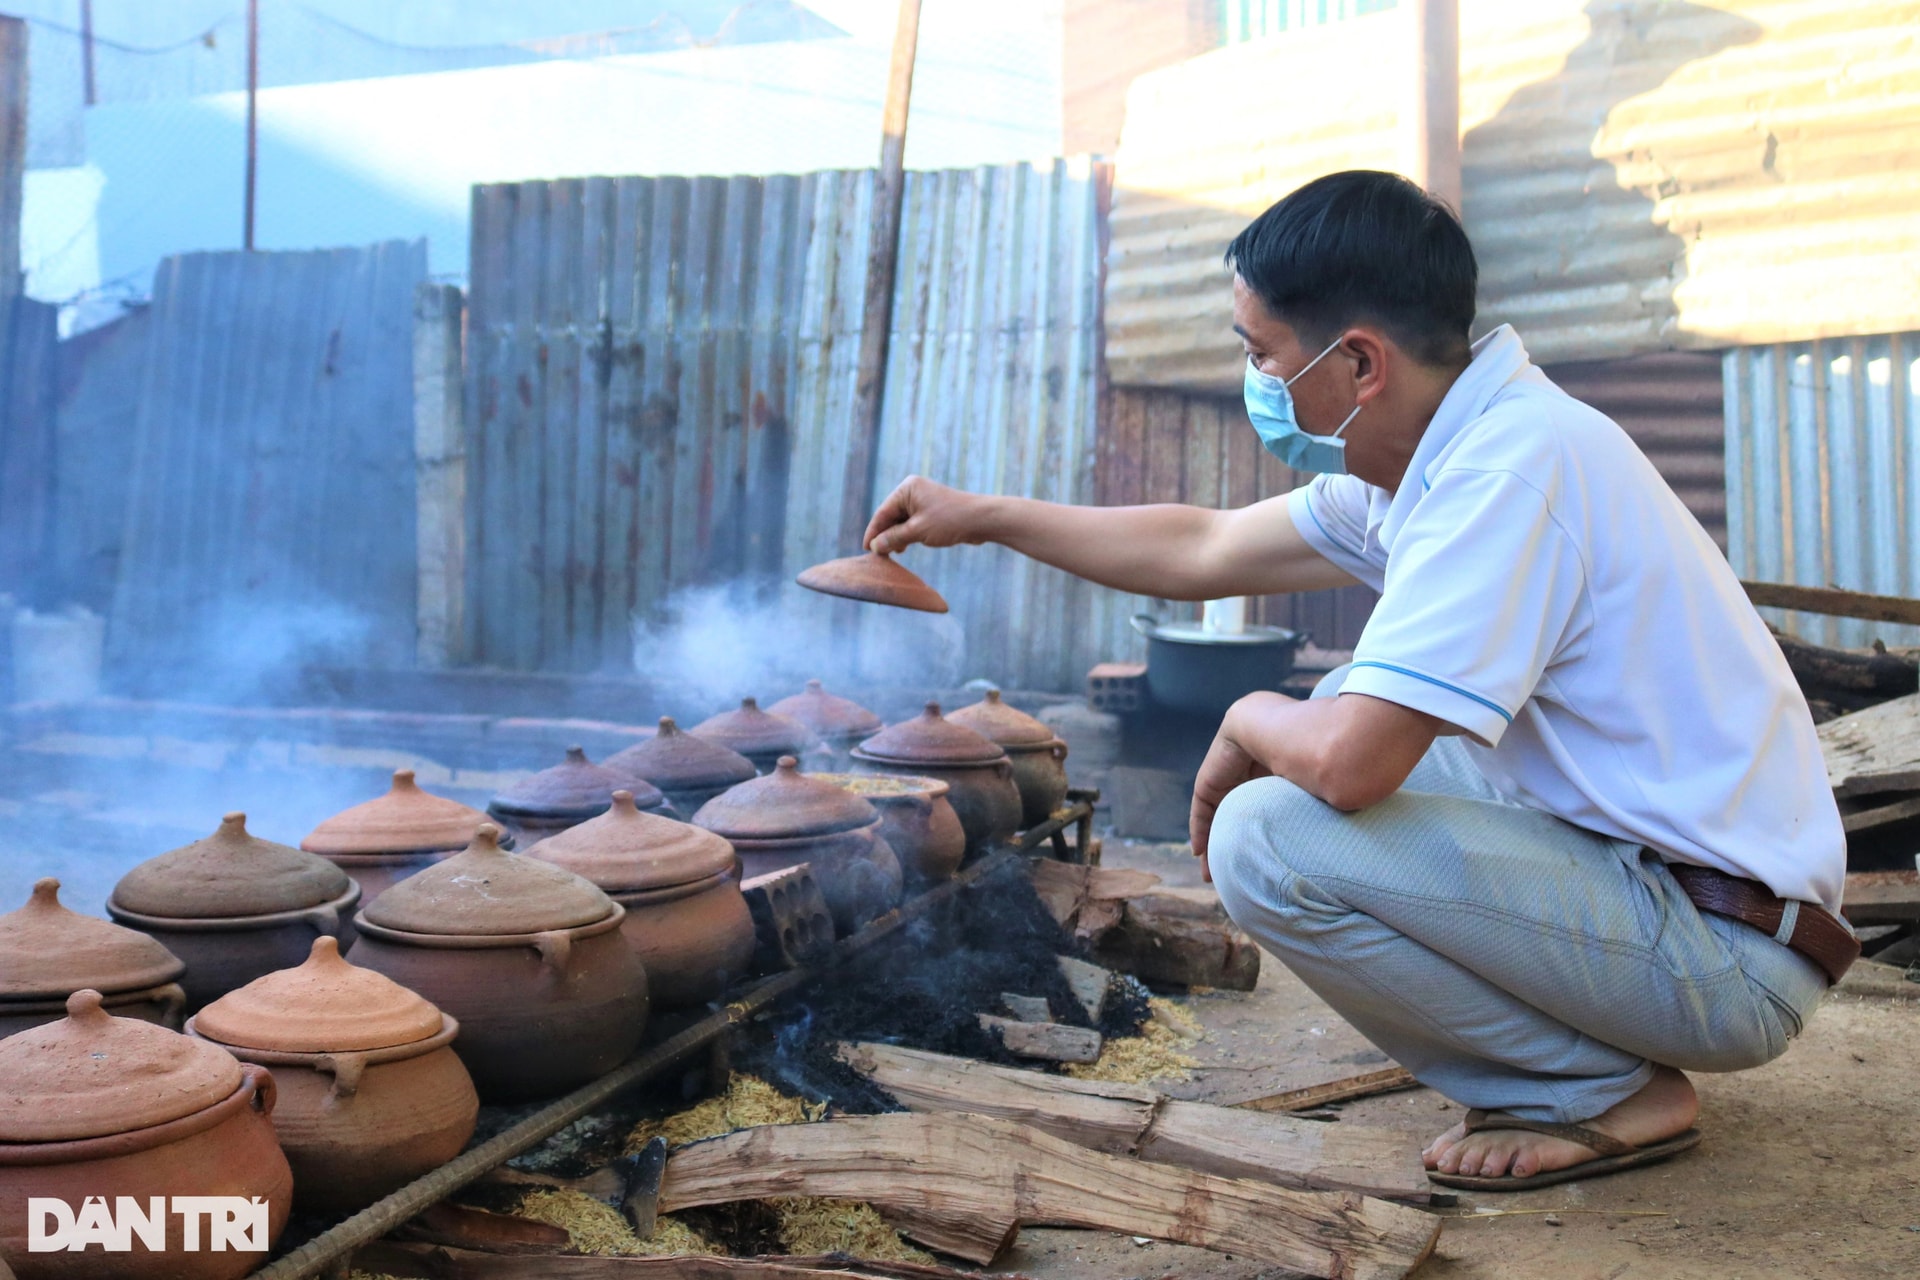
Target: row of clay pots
x,y
48,952
371,1093
788,817
99,1106
324,1086
233,906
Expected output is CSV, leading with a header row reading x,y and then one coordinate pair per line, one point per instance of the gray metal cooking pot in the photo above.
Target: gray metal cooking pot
x,y
1204,672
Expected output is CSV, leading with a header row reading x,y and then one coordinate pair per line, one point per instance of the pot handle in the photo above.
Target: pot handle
x,y
1059,748
173,1002
346,1069
555,948
1145,623
265,1091
324,918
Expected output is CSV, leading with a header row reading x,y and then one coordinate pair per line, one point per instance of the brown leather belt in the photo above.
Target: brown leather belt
x,y
1816,934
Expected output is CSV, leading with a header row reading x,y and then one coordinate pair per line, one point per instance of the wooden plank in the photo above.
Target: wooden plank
x,y
431,1262
1880,739
1834,602
1342,1090
1026,1008
1881,816
1048,1041
1881,897
1125,1119
974,1170
1180,936
1090,984
461,1227
1880,782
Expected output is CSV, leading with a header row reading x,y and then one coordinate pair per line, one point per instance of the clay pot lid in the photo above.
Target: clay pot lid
x,y
751,731
405,820
625,850
92,1074
931,738
674,758
230,873
483,889
828,715
997,722
324,1005
784,804
47,952
574,788
873,579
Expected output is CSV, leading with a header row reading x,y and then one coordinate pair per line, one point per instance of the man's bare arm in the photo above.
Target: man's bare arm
x,y
1351,751
1175,552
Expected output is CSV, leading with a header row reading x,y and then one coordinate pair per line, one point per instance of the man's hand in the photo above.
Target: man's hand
x,y
1351,751
1227,766
919,510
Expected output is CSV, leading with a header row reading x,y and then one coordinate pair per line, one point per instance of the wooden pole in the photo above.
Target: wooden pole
x,y
1435,122
86,49
13,148
883,253
253,95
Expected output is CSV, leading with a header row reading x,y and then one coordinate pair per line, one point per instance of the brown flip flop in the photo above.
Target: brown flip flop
x,y
1615,1155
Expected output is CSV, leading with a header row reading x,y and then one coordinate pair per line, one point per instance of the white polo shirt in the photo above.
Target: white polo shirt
x,y
1543,589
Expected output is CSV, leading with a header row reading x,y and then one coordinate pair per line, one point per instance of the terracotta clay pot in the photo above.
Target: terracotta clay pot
x,y
1037,756
983,793
916,820
680,885
371,1094
527,956
689,769
840,724
386,839
787,818
233,906
760,736
576,789
98,1106
48,952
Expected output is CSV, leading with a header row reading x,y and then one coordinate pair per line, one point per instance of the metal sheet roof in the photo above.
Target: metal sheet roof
x,y
1639,175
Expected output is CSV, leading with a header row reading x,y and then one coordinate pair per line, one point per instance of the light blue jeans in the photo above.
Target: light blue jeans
x,y
1506,958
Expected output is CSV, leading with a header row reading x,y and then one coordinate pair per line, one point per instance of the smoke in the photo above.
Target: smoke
x,y
94,787
765,639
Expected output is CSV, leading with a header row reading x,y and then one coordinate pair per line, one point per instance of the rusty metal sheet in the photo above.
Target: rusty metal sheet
x,y
1638,176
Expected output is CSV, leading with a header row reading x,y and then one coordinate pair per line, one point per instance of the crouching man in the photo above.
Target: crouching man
x,y
1561,831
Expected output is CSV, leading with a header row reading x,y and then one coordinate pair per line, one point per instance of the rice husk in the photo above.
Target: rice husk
x,y
601,1230
813,1224
1157,1053
748,1103
808,1224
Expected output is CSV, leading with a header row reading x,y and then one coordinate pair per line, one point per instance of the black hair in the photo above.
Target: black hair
x,y
1364,246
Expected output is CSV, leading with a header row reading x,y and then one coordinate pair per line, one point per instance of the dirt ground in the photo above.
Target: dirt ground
x,y
1810,1167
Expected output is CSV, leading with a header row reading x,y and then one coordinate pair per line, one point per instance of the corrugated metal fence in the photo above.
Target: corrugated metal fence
x,y
1823,473
27,396
660,377
1169,446
270,474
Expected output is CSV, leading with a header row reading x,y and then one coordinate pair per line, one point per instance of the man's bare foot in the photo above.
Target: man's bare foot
x,y
1665,1107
